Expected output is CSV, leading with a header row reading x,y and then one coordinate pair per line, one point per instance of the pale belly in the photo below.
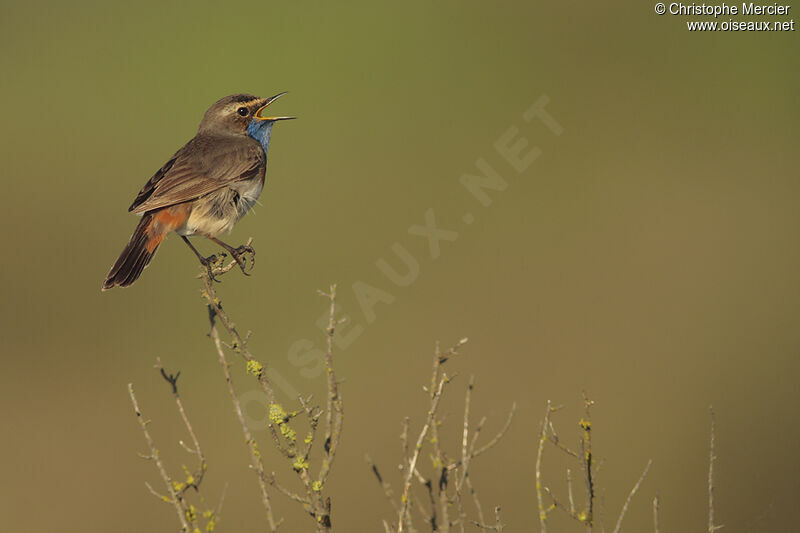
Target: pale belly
x,y
219,211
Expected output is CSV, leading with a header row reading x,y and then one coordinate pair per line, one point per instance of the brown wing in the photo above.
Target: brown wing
x,y
203,165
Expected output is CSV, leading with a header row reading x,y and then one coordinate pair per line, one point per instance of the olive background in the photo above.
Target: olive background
x,y
648,256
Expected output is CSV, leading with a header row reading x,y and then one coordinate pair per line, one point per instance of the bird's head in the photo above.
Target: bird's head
x,y
240,114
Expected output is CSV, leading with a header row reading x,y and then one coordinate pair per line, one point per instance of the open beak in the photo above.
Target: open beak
x,y
258,116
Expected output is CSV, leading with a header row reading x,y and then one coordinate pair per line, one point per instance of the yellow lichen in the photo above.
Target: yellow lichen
x,y
277,414
254,368
288,433
300,464
212,520
254,446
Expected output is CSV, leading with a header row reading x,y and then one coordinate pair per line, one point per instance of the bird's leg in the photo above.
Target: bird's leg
x,y
239,253
205,261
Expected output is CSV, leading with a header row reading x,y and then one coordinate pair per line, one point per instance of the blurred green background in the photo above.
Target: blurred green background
x,y
648,255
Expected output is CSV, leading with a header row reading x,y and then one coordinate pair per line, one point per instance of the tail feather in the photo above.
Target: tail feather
x,y
136,255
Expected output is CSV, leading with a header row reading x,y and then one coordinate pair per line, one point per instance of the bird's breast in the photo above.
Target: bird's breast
x,y
248,191
217,212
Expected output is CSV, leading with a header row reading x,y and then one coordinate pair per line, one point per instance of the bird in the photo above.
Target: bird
x,y
204,188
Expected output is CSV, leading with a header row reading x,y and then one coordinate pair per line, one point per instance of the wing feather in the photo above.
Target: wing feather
x,y
205,164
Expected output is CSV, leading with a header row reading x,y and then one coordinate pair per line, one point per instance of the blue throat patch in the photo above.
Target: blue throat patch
x,y
260,130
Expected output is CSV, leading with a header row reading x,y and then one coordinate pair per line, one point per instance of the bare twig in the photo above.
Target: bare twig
x,y
255,455
239,344
466,456
548,433
286,492
586,459
175,497
387,489
412,463
196,478
569,492
404,440
630,496
465,434
497,526
446,489
711,458
334,414
539,486
656,509
489,445
218,510
558,505
556,440
475,499
284,436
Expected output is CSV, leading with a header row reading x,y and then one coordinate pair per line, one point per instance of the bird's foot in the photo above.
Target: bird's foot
x,y
240,256
209,262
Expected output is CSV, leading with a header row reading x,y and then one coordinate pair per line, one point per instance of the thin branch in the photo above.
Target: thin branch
x,y
465,434
239,344
430,518
255,455
569,492
475,498
539,486
497,526
286,492
440,459
446,488
412,464
284,436
174,496
557,441
656,509
630,496
218,511
165,499
586,460
334,415
489,445
197,475
497,522
387,489
711,458
404,440
557,504
466,455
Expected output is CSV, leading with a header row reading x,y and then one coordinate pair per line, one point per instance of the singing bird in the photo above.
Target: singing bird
x,y
205,188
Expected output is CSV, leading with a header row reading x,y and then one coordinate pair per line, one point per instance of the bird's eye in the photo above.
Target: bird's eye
x,y
242,111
